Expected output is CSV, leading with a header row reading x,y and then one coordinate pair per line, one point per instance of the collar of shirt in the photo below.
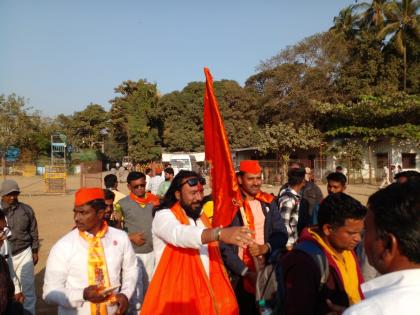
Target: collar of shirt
x,y
408,277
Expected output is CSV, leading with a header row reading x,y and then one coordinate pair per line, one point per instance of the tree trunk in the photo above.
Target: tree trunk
x,y
370,163
405,67
3,165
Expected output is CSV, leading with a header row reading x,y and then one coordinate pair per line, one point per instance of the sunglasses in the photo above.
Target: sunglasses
x,y
194,181
139,186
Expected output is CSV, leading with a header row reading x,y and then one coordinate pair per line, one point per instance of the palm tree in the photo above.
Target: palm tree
x,y
373,17
401,22
346,22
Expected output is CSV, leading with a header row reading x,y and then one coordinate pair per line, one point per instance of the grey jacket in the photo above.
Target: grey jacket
x,y
138,219
22,222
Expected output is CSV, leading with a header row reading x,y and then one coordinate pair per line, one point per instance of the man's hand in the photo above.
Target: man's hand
x,y
19,297
258,250
122,302
93,294
35,258
137,238
335,309
237,235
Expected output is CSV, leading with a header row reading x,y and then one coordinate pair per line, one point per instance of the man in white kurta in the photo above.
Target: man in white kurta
x,y
66,276
392,244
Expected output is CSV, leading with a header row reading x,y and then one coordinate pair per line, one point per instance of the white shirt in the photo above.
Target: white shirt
x,y
6,252
66,274
167,229
395,293
154,183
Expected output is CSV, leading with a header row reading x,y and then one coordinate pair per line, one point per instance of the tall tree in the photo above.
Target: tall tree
x,y
134,119
402,21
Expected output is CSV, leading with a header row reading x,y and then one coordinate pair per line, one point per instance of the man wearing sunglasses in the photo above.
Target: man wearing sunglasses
x,y
263,217
190,277
137,210
24,240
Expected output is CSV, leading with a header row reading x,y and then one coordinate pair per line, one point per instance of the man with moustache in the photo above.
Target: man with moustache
x,y
24,240
190,277
92,269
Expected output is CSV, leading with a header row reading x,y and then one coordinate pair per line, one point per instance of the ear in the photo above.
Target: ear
x,y
326,229
391,248
178,195
101,213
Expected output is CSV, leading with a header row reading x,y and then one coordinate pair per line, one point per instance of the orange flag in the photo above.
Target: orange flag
x,y
225,189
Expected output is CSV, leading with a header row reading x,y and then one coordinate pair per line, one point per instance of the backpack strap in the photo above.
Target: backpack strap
x,y
318,256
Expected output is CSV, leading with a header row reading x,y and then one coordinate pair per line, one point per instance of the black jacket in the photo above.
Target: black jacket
x,y
275,234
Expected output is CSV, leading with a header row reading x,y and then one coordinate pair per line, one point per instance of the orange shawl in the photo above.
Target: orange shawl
x,y
181,286
148,198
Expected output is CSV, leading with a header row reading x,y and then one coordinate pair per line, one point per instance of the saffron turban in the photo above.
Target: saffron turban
x,y
250,166
84,195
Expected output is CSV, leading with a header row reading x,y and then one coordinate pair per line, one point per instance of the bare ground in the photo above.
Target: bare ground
x,y
55,218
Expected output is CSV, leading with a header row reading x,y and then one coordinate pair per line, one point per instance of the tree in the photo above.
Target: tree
x,y
182,116
283,139
86,126
402,21
135,121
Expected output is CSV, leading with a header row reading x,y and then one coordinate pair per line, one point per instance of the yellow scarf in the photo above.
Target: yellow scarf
x,y
97,267
347,267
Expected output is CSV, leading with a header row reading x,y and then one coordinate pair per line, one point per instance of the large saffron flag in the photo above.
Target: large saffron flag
x,y
225,189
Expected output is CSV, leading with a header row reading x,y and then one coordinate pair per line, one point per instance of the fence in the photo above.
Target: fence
x,y
91,174
275,173
55,178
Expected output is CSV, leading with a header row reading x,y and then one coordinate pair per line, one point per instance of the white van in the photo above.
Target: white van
x,y
184,162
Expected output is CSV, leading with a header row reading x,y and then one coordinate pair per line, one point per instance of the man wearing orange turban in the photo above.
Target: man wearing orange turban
x,y
92,269
263,217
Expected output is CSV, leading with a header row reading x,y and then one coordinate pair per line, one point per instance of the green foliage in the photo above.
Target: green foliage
x,y
182,116
134,119
284,139
348,152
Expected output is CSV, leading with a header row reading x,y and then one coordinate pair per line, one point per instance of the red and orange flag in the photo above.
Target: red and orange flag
x,y
225,189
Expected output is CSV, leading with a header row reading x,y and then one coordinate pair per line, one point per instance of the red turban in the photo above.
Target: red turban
x,y
84,195
250,166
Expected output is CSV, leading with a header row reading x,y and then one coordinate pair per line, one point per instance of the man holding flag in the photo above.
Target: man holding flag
x,y
262,215
259,211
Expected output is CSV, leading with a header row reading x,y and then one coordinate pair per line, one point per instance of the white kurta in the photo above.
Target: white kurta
x,y
167,229
393,293
66,274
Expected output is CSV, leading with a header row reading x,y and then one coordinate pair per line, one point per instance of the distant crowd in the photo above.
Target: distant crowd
x,y
157,251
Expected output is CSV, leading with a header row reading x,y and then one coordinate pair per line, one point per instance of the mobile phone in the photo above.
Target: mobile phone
x,y
109,290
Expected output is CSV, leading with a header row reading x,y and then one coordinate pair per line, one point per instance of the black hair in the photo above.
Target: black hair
x,y
336,208
169,199
2,215
339,168
410,175
109,194
134,176
169,170
97,204
337,177
396,210
110,180
295,176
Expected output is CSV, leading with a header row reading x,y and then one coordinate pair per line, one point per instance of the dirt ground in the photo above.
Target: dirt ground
x,y
55,219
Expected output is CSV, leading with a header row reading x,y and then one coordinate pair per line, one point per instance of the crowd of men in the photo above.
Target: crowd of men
x,y
155,250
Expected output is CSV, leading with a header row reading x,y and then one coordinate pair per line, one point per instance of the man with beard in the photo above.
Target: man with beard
x,y
24,240
190,277
263,217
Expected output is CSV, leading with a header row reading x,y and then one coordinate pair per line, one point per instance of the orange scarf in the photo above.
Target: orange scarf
x,y
148,198
181,286
247,258
97,268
